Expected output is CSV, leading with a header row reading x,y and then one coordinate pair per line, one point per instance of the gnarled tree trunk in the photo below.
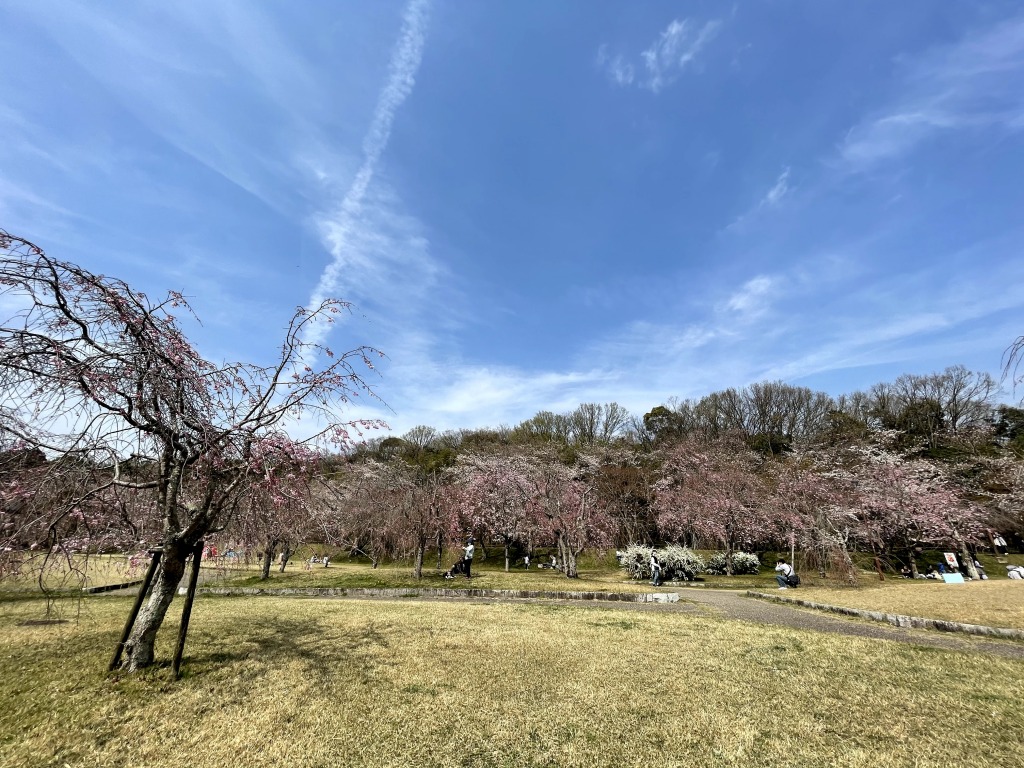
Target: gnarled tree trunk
x,y
138,650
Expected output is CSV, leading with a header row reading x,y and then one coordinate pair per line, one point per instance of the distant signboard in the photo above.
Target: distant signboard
x,y
951,560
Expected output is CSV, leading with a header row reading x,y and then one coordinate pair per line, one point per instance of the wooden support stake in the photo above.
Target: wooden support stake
x,y
130,624
186,611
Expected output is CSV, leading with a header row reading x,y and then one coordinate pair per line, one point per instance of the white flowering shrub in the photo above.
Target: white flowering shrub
x,y
677,563
680,563
743,563
636,561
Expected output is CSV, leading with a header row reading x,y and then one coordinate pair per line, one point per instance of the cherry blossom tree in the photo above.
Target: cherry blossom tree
x,y
566,507
885,522
278,515
497,488
392,509
712,489
95,371
817,506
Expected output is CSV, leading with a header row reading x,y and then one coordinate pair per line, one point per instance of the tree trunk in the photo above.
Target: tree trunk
x,y
728,555
440,551
268,558
913,562
506,553
286,554
138,650
965,555
850,571
421,550
568,558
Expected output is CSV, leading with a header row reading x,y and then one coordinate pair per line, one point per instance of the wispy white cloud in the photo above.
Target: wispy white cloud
x,y
617,68
664,61
753,299
777,192
771,199
218,81
674,50
346,225
972,85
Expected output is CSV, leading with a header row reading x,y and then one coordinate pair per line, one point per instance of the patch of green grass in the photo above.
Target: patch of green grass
x,y
596,575
486,575
272,681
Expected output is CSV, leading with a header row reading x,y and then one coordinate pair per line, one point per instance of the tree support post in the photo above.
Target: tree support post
x,y
130,623
186,611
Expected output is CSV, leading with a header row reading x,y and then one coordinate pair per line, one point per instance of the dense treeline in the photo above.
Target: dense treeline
x,y
923,460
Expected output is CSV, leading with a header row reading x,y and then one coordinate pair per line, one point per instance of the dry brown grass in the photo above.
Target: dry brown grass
x,y
71,573
991,603
276,682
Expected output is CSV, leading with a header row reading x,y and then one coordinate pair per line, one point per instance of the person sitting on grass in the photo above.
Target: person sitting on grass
x,y
783,571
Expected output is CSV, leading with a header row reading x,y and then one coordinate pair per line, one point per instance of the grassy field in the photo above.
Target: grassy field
x,y
996,602
993,603
273,682
71,574
596,575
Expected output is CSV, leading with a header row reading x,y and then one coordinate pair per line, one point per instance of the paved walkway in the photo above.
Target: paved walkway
x,y
735,605
732,604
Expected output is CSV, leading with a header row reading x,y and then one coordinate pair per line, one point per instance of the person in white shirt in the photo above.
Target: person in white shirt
x,y
1015,572
783,571
467,558
655,571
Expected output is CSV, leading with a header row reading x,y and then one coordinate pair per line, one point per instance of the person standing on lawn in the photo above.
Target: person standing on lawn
x,y
655,571
467,558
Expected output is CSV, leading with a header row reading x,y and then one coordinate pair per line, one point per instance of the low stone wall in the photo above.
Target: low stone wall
x,y
503,594
112,587
896,619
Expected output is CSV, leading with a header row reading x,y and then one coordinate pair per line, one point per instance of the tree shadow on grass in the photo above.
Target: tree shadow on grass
x,y
320,648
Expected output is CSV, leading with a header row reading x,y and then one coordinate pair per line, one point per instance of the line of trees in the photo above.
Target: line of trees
x,y
720,492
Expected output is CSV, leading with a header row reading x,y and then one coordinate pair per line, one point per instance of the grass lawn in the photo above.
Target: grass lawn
x,y
595,576
996,603
313,682
63,574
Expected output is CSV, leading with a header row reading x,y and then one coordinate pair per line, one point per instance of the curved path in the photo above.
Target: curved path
x,y
731,604
735,605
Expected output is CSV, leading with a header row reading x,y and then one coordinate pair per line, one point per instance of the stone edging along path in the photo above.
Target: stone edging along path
x,y
626,597
896,619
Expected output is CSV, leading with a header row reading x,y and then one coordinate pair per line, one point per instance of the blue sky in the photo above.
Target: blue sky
x,y
531,204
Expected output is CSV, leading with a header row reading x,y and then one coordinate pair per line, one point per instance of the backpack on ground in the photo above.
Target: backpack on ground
x,y
793,579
